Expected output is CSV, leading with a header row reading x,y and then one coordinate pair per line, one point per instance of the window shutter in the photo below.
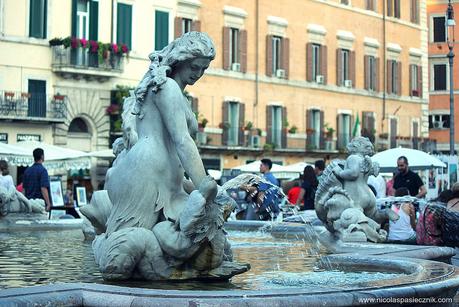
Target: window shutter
x,y
196,25
323,62
411,80
351,127
226,48
241,138
161,30
390,7
284,129
396,8
321,133
178,27
308,126
399,76
74,18
269,124
225,122
368,125
352,67
195,105
285,55
243,50
37,21
389,76
366,72
420,81
269,56
339,67
376,76
309,62
124,24
93,20
412,10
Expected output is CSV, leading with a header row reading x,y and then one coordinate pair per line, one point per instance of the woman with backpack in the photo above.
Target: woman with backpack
x,y
308,189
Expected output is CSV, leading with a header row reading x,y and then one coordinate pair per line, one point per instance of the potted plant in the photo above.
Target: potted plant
x,y
293,129
112,109
59,97
248,126
269,146
384,136
310,131
56,41
9,94
202,124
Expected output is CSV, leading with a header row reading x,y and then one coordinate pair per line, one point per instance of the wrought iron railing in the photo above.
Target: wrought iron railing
x,y
82,58
35,105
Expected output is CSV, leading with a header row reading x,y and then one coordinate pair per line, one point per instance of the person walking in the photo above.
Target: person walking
x,y
408,179
36,179
308,189
265,170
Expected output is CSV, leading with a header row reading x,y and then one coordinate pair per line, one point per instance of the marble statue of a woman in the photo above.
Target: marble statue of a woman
x,y
148,226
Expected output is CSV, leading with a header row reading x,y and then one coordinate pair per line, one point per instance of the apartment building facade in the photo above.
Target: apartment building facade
x,y
439,76
289,82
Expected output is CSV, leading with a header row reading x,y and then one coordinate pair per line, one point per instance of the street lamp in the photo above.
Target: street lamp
x,y
450,23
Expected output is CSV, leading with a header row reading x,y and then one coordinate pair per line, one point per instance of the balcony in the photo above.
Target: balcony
x,y
32,107
78,63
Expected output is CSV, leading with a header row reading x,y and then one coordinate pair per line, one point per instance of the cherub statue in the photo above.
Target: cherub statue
x,y
344,185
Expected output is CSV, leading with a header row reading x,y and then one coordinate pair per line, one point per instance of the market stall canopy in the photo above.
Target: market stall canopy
x,y
279,171
56,157
102,154
417,160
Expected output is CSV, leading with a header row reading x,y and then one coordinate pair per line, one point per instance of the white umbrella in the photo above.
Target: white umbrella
x,y
55,157
417,160
297,167
279,171
216,174
103,154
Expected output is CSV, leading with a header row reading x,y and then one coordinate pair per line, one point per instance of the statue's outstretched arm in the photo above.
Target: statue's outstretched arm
x,y
170,105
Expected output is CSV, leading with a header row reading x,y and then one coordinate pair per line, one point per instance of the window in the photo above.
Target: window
x,y
371,5
37,100
78,125
124,24
233,117
315,61
344,130
393,8
277,126
372,73
317,127
414,82
439,121
439,29
439,77
82,22
346,2
234,46
345,65
186,25
161,29
85,19
37,21
276,47
414,11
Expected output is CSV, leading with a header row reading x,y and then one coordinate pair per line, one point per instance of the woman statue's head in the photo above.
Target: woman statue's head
x,y
190,46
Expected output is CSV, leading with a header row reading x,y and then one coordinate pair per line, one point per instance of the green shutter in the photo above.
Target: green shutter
x,y
124,24
93,20
37,22
161,30
74,18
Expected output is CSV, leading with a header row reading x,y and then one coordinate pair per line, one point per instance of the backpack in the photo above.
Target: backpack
x,y
450,228
428,228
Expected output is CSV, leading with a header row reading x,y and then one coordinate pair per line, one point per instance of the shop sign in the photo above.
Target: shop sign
x,y
28,137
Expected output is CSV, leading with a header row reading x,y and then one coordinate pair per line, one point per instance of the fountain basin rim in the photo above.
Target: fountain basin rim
x,y
434,279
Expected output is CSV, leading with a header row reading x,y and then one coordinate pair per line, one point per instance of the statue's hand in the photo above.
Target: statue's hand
x,y
337,171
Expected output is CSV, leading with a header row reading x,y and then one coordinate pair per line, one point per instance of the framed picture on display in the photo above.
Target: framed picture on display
x,y
57,198
81,196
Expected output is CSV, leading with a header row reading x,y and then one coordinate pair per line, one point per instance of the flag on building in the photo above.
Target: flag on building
x,y
356,130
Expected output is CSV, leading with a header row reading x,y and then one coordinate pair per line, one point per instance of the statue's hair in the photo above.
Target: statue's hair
x,y
189,46
361,145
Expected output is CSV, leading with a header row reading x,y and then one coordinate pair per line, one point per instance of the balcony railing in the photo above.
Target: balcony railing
x,y
79,62
21,105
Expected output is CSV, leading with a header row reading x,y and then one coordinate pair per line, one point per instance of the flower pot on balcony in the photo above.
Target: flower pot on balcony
x,y
201,138
59,97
